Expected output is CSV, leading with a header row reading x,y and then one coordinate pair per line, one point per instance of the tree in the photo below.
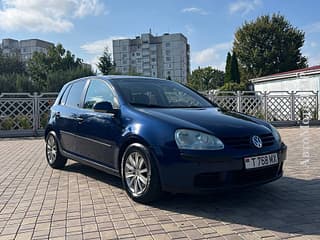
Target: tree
x,y
49,72
232,86
105,64
268,45
206,78
235,75
228,76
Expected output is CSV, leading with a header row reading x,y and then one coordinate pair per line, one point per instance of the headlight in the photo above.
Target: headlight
x,y
275,133
194,140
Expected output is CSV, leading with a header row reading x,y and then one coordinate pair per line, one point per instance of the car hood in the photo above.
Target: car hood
x,y
213,120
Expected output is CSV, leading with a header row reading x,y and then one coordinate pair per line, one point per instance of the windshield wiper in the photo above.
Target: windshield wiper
x,y
146,105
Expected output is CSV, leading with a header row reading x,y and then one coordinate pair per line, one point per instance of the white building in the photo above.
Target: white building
x,y
24,49
166,56
307,79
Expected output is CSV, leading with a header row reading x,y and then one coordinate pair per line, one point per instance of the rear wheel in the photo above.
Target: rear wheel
x,y
139,173
54,158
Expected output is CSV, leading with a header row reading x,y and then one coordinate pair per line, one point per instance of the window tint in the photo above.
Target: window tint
x,y
74,96
65,95
98,91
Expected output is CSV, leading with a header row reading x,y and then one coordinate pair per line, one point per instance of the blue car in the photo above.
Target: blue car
x,y
160,136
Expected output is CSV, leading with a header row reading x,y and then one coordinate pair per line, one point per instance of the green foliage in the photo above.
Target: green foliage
x,y
105,64
228,75
7,124
44,120
235,75
9,65
232,86
232,69
50,71
23,122
206,78
268,45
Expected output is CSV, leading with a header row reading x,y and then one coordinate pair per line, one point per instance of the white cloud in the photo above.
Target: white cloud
x,y
244,6
214,56
95,49
45,15
194,10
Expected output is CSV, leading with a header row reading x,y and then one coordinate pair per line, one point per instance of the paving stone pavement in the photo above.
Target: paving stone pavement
x,y
37,202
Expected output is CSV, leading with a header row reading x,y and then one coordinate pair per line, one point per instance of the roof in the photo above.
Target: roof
x,y
314,70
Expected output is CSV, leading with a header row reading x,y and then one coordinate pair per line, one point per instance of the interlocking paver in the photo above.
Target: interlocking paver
x,y
79,202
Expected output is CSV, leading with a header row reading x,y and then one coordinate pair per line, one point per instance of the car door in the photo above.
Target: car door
x,y
98,132
66,115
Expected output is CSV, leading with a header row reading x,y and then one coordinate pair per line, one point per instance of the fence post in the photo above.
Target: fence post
x,y
35,113
239,101
292,107
317,106
265,105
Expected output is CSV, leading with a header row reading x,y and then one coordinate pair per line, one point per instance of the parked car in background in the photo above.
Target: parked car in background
x,y
158,135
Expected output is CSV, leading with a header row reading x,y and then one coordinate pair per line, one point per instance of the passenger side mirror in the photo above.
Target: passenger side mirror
x,y
104,107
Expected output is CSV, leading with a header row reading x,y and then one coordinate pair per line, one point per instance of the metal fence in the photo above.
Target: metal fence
x,y
24,114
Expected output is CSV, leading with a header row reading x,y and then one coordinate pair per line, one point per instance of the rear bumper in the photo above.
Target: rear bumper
x,y
192,174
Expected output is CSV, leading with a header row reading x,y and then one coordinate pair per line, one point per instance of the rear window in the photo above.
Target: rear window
x,y
65,95
74,96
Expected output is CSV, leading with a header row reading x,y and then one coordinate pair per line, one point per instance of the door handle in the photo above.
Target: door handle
x,y
79,119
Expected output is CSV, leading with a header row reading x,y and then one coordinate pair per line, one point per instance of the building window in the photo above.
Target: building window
x,y
168,59
153,59
132,54
137,54
167,44
167,52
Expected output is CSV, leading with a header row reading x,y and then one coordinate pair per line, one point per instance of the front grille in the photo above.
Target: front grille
x,y
236,178
245,142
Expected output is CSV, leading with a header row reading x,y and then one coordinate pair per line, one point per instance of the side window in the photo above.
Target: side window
x,y
98,91
65,95
74,96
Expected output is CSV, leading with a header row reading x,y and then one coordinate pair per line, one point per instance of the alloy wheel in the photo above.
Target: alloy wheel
x,y
136,173
51,149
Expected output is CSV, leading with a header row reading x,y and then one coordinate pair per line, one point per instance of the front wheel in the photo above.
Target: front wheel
x,y
53,155
139,173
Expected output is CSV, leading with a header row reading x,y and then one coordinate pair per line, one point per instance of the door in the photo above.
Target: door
x,y
98,132
66,115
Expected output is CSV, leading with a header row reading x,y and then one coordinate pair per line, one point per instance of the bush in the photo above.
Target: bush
x,y
24,122
232,86
7,124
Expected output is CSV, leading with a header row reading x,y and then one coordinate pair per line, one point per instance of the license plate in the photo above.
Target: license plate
x,y
261,161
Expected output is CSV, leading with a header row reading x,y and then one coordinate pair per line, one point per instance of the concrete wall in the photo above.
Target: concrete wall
x,y
302,83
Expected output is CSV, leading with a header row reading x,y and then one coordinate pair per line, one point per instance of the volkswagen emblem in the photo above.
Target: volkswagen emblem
x,y
256,141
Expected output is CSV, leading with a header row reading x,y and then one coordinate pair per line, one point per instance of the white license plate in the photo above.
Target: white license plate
x,y
261,161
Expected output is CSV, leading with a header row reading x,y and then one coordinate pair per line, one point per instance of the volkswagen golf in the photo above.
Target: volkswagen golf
x,y
160,136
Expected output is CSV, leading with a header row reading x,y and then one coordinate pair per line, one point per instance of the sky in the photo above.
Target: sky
x,y
86,27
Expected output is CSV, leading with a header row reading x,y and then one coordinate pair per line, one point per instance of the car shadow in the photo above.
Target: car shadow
x,y
288,205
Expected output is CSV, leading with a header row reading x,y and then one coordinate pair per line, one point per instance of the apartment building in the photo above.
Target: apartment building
x,y
24,48
166,56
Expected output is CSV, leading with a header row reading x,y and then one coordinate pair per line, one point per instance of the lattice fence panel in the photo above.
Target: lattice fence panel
x,y
279,108
227,102
305,107
17,113
44,105
253,105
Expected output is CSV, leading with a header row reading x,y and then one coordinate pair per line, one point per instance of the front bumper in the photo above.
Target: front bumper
x,y
194,173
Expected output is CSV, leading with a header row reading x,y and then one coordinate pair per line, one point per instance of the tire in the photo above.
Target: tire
x,y
139,173
53,155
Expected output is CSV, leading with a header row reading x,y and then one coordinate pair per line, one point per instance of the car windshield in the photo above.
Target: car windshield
x,y
159,94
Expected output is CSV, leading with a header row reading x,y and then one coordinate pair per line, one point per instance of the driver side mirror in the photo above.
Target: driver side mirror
x,y
104,107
